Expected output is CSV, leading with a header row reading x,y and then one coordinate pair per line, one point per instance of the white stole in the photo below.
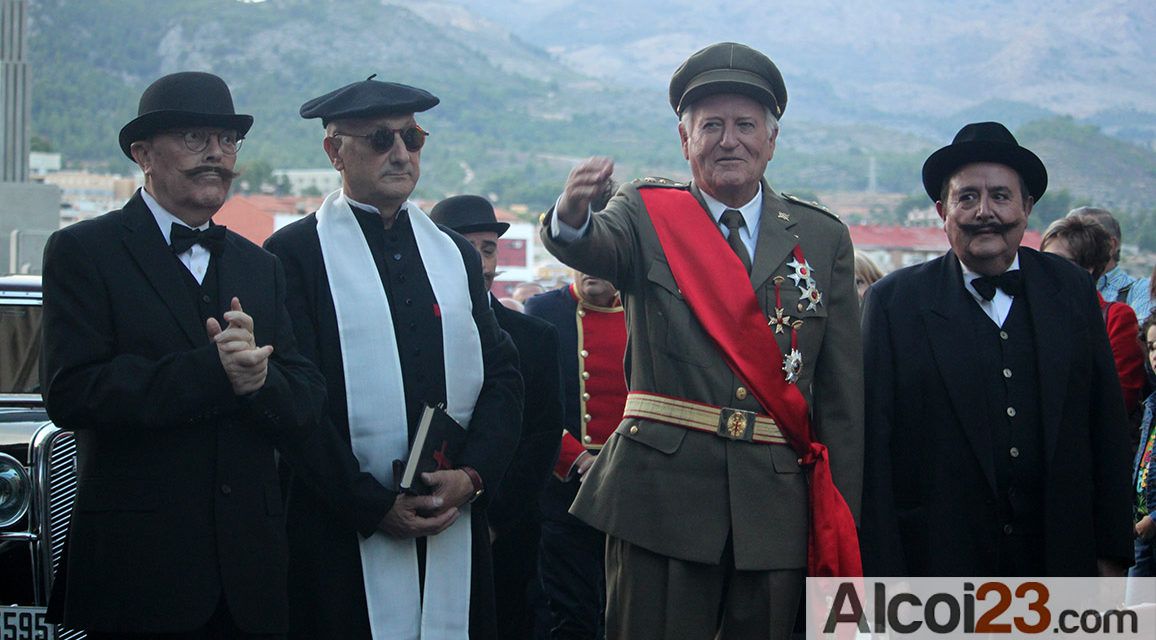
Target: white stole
x,y
375,399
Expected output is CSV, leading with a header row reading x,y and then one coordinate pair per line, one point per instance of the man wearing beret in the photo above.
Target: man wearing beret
x,y
513,513
168,350
420,333
996,431
744,420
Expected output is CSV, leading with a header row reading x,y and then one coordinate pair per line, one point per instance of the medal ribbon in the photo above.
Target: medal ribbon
x,y
718,290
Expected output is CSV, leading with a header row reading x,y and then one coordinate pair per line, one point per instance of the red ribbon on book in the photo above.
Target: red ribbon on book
x,y
718,291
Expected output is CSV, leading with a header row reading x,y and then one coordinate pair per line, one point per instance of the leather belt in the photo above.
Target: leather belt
x,y
725,422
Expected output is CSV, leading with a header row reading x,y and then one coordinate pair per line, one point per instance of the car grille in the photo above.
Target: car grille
x,y
54,462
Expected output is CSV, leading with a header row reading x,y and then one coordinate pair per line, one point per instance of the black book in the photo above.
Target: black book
x,y
436,445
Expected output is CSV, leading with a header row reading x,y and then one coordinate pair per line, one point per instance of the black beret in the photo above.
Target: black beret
x,y
368,98
466,214
728,67
984,142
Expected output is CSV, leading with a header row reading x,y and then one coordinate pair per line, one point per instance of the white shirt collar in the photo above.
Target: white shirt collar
x,y
165,220
969,275
751,211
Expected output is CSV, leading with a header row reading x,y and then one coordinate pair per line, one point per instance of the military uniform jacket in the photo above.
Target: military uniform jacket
x,y
678,492
560,308
930,503
178,501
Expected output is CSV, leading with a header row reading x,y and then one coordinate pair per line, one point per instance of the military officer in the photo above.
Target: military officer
x,y
744,420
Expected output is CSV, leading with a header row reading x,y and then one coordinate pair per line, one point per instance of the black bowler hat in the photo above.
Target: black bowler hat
x,y
728,67
984,142
466,214
368,98
183,99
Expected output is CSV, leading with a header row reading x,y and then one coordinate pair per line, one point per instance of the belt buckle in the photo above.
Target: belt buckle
x,y
736,424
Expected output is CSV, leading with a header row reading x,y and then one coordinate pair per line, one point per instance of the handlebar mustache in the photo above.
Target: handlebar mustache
x,y
224,173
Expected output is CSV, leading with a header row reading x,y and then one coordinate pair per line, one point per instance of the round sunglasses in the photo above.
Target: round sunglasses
x,y
381,140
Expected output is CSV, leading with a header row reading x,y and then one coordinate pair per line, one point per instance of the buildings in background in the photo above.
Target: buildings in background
x,y
28,210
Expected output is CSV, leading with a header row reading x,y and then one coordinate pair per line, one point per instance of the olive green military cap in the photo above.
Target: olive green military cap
x,y
728,67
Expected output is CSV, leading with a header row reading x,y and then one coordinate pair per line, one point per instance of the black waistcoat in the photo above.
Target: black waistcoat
x,y
206,295
1011,385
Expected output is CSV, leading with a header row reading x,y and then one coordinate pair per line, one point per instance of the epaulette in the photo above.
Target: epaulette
x,y
654,181
813,205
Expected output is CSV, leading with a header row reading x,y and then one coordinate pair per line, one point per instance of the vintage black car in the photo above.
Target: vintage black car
x,y
37,471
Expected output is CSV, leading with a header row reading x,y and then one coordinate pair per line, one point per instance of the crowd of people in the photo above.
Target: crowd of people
x,y
724,401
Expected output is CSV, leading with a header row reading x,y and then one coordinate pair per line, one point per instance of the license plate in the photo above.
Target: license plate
x,y
25,623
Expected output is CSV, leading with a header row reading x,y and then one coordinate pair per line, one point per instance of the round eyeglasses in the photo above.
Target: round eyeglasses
x,y
197,140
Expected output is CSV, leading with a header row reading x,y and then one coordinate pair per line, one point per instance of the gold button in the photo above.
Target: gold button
x,y
1007,373
1011,412
586,418
584,353
800,306
741,393
585,375
587,439
1014,452
634,430
586,396
581,313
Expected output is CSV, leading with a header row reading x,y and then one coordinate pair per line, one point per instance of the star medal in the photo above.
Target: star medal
x,y
792,365
780,319
813,296
804,279
793,361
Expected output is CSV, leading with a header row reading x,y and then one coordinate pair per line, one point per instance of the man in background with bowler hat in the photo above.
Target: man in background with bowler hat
x,y
743,421
168,350
514,516
394,311
996,432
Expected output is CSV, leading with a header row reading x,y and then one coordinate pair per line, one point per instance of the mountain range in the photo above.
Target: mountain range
x,y
528,86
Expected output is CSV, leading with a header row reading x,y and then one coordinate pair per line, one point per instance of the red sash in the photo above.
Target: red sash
x,y
717,289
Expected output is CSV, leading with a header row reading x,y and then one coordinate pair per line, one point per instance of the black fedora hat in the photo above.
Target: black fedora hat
x,y
466,214
183,99
984,142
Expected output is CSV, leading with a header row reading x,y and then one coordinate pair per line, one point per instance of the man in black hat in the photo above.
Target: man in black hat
x,y
996,432
420,333
513,511
168,350
743,362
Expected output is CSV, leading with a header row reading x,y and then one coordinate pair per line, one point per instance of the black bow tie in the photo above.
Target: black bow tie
x,y
183,238
1010,282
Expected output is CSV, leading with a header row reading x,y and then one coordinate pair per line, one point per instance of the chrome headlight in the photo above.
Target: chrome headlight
x,y
15,490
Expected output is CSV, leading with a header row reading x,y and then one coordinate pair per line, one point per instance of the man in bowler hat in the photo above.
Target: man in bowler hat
x,y
168,350
394,310
744,371
514,515
996,431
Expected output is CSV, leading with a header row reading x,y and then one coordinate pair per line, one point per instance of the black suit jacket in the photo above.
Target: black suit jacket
x,y
326,586
557,307
929,506
178,501
515,503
